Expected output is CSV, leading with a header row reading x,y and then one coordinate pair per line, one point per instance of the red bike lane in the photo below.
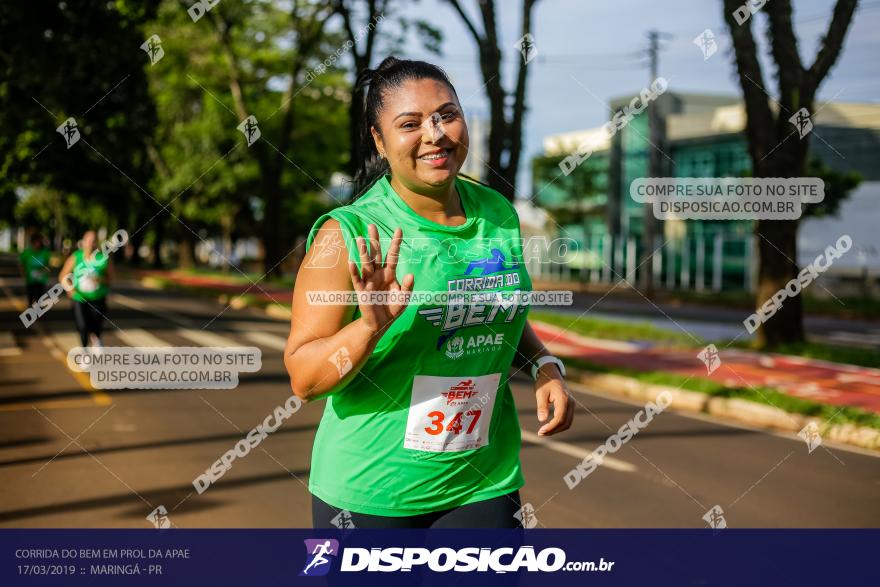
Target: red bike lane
x,y
822,381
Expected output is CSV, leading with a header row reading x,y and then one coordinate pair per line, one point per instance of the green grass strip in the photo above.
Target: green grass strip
x,y
614,329
762,395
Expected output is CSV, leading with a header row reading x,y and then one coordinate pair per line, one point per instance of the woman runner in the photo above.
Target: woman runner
x,y
419,427
91,270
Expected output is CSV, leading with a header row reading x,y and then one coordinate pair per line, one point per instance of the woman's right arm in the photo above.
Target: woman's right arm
x,y
65,270
326,348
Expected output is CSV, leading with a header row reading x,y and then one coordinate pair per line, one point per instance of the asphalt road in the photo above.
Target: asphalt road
x,y
74,458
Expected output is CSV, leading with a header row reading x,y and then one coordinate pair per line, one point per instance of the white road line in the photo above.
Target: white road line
x,y
577,452
130,302
272,341
248,325
66,341
206,337
8,348
248,330
143,307
138,337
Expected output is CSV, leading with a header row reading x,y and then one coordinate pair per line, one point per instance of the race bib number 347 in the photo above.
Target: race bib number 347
x,y
450,414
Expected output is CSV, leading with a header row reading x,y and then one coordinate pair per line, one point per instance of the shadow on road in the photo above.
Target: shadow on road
x,y
166,496
235,436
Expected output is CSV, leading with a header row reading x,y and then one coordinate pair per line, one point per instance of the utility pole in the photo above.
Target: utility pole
x,y
654,170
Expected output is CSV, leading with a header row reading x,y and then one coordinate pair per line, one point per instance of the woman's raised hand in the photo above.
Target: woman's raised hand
x,y
378,314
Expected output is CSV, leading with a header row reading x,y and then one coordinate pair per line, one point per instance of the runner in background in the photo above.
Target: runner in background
x,y
92,272
35,267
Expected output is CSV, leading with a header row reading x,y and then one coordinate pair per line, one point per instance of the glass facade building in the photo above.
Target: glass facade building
x,y
700,136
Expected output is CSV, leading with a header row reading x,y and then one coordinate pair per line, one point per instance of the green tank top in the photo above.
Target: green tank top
x,y
89,278
429,421
36,265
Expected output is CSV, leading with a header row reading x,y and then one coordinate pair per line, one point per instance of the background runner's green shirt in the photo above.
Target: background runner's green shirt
x,y
36,265
89,277
359,461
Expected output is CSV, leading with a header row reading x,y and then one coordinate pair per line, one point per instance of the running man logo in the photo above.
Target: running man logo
x,y
153,49
527,47
250,130
327,250
810,434
802,122
459,393
715,518
343,520
317,553
526,516
342,360
706,42
69,131
710,358
159,518
434,125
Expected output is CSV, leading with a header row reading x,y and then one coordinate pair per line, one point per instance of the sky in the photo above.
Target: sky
x,y
589,51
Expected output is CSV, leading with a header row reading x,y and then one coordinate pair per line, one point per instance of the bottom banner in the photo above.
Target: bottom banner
x,y
437,557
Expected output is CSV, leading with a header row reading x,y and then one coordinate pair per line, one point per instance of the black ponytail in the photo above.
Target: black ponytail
x,y
390,73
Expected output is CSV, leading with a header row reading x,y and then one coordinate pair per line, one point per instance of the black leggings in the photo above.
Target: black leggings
x,y
89,317
497,512
35,289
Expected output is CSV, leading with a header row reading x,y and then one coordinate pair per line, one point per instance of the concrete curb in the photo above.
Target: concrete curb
x,y
740,410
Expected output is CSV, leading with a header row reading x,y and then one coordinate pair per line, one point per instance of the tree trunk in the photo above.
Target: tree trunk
x,y
226,226
135,244
271,223
777,254
777,241
355,121
774,152
186,251
505,132
136,239
158,237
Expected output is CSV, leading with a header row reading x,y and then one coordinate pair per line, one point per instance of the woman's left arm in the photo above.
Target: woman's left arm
x,y
549,387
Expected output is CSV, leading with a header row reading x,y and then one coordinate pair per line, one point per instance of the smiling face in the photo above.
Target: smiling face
x,y
423,134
